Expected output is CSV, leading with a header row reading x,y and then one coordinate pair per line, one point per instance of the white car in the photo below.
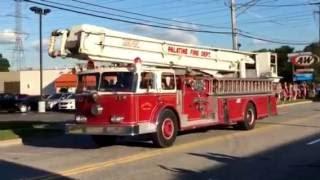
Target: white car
x,y
53,100
68,103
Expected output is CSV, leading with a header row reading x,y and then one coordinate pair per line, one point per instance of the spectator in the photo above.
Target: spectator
x,y
285,91
304,90
290,92
295,91
278,92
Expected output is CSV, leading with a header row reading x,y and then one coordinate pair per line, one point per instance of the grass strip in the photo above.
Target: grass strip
x,y
24,130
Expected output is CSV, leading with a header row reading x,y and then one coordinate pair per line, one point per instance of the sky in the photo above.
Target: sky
x,y
288,21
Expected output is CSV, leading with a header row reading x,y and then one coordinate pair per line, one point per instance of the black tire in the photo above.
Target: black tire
x,y
24,108
101,140
167,129
249,120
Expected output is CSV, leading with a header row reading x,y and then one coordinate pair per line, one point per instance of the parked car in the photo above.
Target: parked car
x,y
31,102
14,102
53,100
68,103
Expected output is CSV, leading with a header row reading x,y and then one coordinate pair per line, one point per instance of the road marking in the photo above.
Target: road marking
x,y
313,142
154,153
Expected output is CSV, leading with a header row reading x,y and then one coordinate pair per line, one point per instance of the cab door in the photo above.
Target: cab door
x,y
147,98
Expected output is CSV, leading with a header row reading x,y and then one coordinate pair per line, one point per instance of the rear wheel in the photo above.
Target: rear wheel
x,y
167,129
24,108
101,140
249,121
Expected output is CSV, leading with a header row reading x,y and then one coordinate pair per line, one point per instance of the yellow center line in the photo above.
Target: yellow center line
x,y
154,153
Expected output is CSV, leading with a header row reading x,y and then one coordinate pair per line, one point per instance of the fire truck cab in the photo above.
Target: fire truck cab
x,y
160,88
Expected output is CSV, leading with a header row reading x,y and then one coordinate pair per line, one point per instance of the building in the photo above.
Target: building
x,y
28,81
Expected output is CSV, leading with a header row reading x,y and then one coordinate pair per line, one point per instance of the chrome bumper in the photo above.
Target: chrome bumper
x,y
129,130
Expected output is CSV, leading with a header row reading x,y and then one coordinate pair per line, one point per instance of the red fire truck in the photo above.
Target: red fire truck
x,y
137,85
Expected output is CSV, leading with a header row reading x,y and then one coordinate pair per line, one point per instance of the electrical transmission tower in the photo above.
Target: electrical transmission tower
x,y
18,52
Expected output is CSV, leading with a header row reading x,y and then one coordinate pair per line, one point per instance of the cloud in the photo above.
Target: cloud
x,y
179,36
168,34
141,29
7,36
258,42
36,45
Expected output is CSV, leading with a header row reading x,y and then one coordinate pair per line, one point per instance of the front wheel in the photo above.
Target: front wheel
x,y
249,120
167,129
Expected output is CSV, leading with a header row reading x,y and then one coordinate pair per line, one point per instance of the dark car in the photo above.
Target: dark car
x,y
15,102
28,103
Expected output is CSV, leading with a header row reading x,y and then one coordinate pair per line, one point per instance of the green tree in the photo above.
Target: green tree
x,y
315,49
4,64
284,67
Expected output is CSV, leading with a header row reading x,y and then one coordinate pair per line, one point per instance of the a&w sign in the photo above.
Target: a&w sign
x,y
303,59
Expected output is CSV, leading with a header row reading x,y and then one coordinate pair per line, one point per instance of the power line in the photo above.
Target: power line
x,y
288,18
248,6
283,5
166,27
112,14
171,2
202,13
126,21
145,15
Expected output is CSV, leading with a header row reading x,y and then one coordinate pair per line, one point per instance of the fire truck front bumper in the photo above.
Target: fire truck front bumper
x,y
118,130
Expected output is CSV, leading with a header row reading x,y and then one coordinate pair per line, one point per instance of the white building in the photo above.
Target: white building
x,y
28,81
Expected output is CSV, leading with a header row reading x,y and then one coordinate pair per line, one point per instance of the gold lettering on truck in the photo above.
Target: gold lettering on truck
x,y
130,43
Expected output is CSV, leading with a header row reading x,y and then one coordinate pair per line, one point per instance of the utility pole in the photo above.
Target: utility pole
x,y
318,12
319,22
234,25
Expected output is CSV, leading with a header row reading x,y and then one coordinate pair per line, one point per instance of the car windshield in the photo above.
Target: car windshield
x,y
118,81
88,82
55,96
71,96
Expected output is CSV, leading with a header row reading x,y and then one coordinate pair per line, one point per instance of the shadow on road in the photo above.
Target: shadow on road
x,y
11,170
55,137
294,161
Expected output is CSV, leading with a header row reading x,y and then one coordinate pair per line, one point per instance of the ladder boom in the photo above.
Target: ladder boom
x,y
86,42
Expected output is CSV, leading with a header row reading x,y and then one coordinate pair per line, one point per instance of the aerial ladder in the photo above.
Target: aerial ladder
x,y
88,42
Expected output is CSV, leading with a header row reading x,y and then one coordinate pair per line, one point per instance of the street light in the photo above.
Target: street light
x,y
41,12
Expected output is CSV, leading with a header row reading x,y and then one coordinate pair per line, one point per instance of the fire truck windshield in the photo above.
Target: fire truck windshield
x,y
88,82
118,81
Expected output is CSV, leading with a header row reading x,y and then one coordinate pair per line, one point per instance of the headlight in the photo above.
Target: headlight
x,y
95,97
96,109
80,119
116,119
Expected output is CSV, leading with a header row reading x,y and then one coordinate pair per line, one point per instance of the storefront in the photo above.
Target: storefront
x,y
66,83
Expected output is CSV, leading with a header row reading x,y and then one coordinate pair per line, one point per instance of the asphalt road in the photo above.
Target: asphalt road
x,y
283,147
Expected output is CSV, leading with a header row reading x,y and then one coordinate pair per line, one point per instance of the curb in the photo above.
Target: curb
x,y
293,104
11,142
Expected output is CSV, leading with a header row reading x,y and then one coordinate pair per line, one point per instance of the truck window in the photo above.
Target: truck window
x,y
88,82
117,81
147,80
167,81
